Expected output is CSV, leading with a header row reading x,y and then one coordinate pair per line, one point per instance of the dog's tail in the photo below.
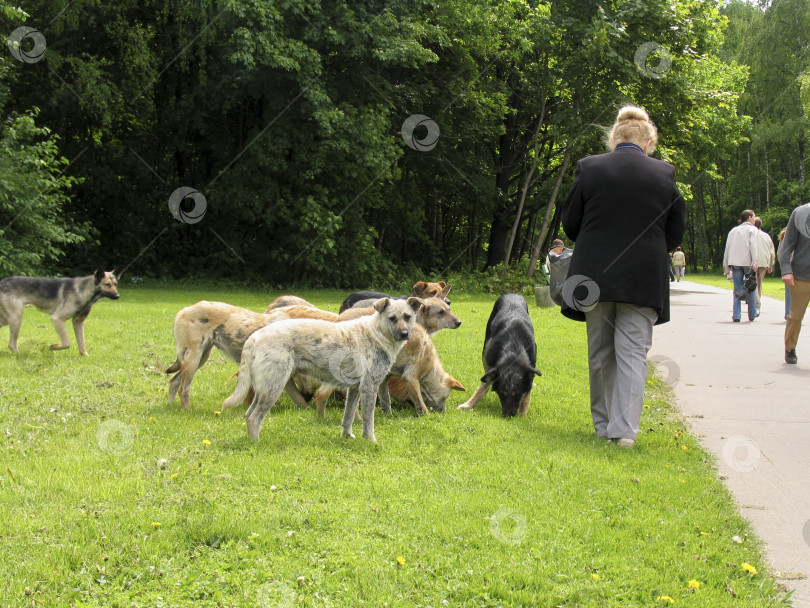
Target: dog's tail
x,y
174,367
243,381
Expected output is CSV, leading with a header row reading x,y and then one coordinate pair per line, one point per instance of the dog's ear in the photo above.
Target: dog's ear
x,y
490,376
381,304
445,290
99,276
415,303
454,384
441,284
536,371
114,272
419,288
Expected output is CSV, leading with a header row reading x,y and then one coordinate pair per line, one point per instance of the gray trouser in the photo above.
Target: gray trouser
x,y
619,337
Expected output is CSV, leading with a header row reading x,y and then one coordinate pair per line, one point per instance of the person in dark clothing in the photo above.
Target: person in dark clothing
x,y
625,214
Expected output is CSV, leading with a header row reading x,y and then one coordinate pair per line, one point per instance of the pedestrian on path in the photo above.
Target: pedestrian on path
x,y
739,259
766,256
679,262
794,259
625,213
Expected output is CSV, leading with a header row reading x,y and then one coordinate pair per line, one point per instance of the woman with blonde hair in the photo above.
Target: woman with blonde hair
x,y
625,214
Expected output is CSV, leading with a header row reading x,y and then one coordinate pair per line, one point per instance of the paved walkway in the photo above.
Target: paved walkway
x,y
751,410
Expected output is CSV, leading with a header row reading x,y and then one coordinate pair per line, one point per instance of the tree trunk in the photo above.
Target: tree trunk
x,y
552,204
526,183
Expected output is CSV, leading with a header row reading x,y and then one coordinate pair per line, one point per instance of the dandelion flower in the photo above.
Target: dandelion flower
x,y
155,524
647,405
665,598
684,448
217,413
749,568
206,442
595,577
650,383
401,560
693,584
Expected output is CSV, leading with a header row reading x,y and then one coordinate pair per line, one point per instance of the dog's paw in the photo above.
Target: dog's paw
x,y
84,354
465,406
347,434
59,347
370,437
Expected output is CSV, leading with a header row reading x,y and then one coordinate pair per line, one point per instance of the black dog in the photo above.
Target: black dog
x,y
510,356
421,290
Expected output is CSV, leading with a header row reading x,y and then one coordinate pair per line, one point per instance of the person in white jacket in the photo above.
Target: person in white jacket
x,y
766,256
740,258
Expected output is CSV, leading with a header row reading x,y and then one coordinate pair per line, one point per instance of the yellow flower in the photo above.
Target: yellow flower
x,y
647,405
649,383
749,568
705,533
206,442
665,598
217,413
693,584
401,560
595,577
175,475
156,524
684,448
151,418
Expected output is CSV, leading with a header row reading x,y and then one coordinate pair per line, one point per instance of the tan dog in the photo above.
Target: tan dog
x,y
354,354
433,315
419,366
202,326
435,386
282,301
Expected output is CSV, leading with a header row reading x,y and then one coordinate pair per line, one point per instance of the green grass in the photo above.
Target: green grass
x,y
772,286
109,496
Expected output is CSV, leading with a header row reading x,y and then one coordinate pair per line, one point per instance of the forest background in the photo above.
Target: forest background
x,y
351,144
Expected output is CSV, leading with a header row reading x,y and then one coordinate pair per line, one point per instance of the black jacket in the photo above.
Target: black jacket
x,y
625,213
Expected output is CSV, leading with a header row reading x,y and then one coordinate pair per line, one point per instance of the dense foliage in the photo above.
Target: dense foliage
x,y
356,143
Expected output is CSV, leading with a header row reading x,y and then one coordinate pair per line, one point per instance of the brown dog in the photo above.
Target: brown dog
x,y
421,290
202,326
418,355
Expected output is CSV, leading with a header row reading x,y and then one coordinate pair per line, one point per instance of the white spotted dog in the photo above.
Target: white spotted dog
x,y
355,355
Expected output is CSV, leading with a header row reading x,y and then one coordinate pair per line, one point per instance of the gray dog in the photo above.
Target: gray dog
x,y
355,355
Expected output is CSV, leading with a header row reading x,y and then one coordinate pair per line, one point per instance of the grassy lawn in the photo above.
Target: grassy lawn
x,y
111,497
772,286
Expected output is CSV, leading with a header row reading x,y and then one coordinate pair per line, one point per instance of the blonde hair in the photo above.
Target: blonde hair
x,y
632,125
